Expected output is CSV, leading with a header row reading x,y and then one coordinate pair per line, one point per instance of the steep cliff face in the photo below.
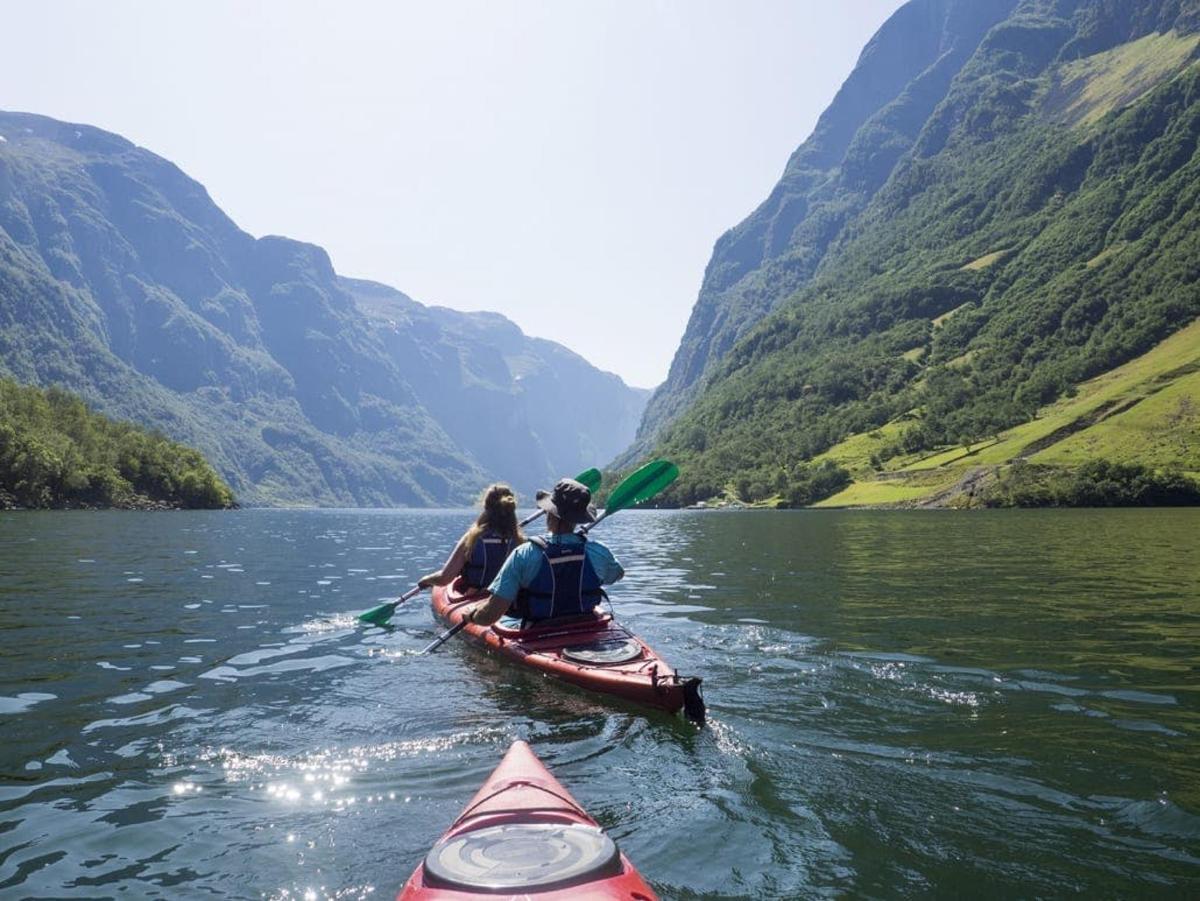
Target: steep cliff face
x,y
122,281
902,75
1016,219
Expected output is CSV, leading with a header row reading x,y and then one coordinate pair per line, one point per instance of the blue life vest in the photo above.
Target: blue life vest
x,y
566,584
487,556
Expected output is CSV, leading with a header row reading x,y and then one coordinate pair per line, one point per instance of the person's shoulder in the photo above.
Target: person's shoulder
x,y
531,545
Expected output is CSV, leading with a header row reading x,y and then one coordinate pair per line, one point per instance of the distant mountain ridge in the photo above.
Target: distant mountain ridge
x,y
121,280
953,249
486,377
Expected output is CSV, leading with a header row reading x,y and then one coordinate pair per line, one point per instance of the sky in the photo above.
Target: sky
x,y
567,164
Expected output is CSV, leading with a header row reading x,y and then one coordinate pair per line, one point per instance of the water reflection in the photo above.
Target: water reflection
x,y
899,703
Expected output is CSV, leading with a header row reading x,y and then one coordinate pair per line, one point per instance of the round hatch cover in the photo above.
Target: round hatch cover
x,y
601,652
534,856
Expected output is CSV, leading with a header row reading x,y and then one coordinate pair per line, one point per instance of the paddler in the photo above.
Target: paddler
x,y
557,575
483,548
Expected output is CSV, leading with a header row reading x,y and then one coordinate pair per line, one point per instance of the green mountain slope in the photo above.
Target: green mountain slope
x,y
1041,229
54,452
121,281
901,76
1145,412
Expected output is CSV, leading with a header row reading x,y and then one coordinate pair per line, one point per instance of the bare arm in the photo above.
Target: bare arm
x,y
450,569
487,612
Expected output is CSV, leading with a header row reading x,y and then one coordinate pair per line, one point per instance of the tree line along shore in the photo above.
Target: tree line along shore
x,y
55,453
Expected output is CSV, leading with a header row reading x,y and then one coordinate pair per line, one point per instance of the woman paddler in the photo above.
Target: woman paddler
x,y
484,547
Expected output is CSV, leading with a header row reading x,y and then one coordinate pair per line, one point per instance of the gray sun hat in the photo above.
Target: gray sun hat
x,y
570,501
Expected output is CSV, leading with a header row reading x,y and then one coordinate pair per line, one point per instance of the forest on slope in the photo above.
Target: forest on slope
x,y
1021,217
55,452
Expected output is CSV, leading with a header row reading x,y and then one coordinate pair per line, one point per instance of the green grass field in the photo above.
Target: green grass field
x,y
1087,89
887,492
1162,430
1146,411
983,263
856,451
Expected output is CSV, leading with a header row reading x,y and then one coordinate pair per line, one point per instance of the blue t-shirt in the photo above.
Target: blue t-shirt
x,y
522,565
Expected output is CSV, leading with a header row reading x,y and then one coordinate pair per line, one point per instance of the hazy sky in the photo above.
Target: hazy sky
x,y
568,164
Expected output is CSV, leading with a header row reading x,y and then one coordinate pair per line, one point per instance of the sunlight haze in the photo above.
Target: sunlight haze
x,y
566,164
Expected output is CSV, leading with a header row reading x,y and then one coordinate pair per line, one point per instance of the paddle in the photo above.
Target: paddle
x,y
589,477
378,616
636,488
445,636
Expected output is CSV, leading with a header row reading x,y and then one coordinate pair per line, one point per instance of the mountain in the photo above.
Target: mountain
x,y
999,205
486,378
122,281
901,75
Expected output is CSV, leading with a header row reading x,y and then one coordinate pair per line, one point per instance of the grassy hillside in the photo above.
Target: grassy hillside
x,y
1084,91
55,452
1145,412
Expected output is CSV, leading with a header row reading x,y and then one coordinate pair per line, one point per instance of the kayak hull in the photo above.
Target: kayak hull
x,y
521,792
646,679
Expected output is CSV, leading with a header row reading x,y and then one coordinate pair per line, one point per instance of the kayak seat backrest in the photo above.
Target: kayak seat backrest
x,y
584,623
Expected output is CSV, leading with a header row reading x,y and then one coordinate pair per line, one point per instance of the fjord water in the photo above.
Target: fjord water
x,y
997,703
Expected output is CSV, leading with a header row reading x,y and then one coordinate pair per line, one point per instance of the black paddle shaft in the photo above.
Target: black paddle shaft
x,y
445,636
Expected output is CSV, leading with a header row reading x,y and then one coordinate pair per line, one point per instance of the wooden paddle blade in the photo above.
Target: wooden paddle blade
x,y
641,485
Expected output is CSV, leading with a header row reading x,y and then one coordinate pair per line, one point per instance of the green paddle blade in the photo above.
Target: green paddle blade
x,y
641,485
378,616
591,478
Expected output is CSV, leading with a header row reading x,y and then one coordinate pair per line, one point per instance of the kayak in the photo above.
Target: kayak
x,y
592,651
524,835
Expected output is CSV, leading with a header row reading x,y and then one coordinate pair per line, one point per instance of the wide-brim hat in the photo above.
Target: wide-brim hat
x,y
570,501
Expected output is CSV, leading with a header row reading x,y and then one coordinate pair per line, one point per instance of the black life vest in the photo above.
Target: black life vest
x,y
566,584
487,556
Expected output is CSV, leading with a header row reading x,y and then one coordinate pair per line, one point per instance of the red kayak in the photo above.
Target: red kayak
x,y
592,651
524,835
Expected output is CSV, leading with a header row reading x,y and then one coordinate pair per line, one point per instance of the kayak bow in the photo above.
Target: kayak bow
x,y
524,835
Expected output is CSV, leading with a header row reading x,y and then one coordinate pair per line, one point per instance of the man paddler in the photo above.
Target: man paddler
x,y
556,575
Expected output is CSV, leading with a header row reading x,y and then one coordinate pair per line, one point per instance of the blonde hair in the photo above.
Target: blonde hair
x,y
499,514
